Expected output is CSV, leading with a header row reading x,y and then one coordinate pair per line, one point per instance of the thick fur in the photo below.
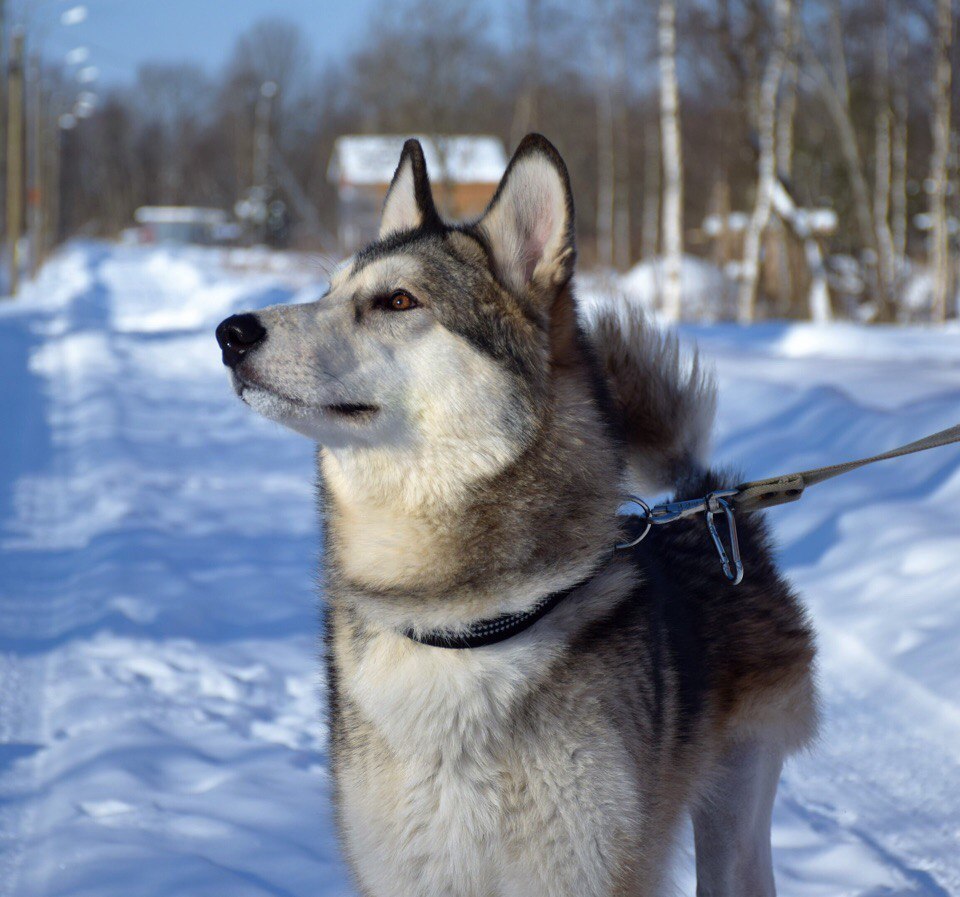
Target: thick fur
x,y
472,453
664,403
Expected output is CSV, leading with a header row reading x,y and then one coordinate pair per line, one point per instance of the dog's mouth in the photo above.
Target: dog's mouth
x,y
353,410
357,411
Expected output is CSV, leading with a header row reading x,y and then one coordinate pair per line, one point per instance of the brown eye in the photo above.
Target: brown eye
x,y
400,301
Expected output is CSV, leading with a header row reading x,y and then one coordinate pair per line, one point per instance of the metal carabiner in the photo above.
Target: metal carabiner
x,y
646,516
715,504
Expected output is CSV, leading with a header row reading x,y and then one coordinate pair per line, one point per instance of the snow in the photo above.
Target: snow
x,y
161,730
708,292
457,159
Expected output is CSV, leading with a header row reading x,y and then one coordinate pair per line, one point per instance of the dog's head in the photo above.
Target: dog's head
x,y
436,339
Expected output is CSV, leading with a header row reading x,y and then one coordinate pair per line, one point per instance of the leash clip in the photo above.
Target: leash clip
x,y
732,565
711,505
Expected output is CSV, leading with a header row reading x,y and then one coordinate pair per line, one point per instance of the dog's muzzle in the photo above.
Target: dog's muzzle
x,y
237,335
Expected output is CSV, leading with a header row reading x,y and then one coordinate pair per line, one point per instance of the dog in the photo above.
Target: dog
x,y
518,707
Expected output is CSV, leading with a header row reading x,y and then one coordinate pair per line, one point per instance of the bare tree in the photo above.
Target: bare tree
x,y
835,92
898,161
622,230
766,173
651,191
444,59
606,170
882,176
787,107
172,101
672,161
525,114
940,128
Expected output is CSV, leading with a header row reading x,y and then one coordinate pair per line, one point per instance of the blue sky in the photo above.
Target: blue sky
x,y
122,34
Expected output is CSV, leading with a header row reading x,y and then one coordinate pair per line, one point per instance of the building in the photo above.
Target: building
x,y
464,171
181,224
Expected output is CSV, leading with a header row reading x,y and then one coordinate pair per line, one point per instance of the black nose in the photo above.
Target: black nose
x,y
237,335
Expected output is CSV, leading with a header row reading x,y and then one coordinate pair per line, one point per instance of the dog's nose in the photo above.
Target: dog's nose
x,y
237,335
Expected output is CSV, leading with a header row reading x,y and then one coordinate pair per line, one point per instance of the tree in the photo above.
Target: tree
x,y
940,128
833,86
767,167
672,161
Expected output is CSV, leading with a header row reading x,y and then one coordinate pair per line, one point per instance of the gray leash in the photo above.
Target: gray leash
x,y
761,494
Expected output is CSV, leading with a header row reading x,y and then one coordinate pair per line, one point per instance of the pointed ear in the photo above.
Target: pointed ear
x,y
409,202
529,222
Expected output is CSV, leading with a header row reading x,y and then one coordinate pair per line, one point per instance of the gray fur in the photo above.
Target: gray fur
x,y
472,450
665,402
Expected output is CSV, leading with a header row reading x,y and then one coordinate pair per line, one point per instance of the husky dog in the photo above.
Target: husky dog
x,y
517,707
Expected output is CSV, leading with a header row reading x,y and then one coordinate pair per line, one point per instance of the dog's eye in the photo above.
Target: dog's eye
x,y
399,300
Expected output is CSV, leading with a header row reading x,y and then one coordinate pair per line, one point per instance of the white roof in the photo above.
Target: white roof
x,y
373,160
178,215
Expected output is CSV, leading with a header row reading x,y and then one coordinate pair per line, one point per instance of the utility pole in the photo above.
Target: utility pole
x,y
35,184
3,109
51,216
259,190
15,156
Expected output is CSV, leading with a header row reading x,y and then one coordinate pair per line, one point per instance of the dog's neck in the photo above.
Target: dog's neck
x,y
451,555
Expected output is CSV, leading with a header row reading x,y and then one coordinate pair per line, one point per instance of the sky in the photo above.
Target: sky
x,y
123,34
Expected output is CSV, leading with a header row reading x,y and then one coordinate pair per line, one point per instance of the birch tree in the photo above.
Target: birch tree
x,y
899,137
766,174
882,169
672,162
940,127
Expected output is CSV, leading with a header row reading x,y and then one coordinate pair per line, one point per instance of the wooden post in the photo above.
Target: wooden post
x,y
51,215
15,156
34,164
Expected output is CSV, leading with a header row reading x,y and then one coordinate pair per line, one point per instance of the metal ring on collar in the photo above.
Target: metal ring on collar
x,y
646,516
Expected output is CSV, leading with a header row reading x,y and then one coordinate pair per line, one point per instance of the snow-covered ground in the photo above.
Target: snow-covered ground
x,y
160,692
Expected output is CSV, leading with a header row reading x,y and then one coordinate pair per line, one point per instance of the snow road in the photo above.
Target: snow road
x,y
160,731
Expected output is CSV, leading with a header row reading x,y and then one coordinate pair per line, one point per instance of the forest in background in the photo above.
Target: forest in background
x,y
726,129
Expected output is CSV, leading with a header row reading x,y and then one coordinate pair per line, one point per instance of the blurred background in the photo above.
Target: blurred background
x,y
799,156
776,178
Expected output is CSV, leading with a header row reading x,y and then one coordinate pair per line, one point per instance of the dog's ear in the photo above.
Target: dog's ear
x,y
529,222
409,201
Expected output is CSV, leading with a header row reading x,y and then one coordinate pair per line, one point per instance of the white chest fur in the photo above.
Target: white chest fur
x,y
426,819
424,805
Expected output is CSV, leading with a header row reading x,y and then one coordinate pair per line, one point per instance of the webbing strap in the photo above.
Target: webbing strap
x,y
760,494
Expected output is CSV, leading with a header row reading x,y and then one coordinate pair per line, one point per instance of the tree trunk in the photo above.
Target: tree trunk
x,y
526,112
940,126
898,176
766,175
605,151
788,101
622,236
651,192
882,169
672,161
839,111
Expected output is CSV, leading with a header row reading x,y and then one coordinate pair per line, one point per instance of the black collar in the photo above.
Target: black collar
x,y
499,629
496,629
